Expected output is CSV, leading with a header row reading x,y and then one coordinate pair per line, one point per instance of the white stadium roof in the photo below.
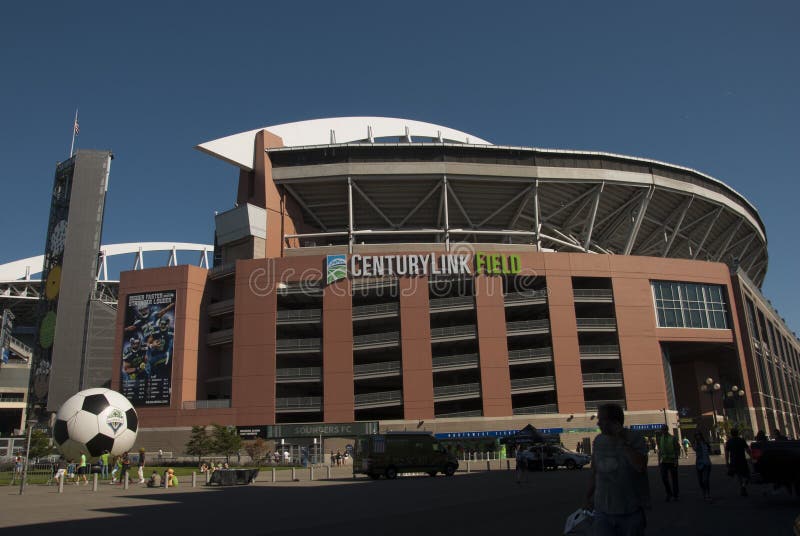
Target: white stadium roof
x,y
239,149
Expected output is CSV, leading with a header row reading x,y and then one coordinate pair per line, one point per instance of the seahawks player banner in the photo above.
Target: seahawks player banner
x,y
147,348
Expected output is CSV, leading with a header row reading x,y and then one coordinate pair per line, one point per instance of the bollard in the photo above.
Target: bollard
x,y
311,473
273,474
208,477
468,467
194,479
61,483
293,475
488,465
329,471
125,483
94,481
166,481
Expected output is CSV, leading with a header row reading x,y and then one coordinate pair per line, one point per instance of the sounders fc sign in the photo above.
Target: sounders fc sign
x,y
338,266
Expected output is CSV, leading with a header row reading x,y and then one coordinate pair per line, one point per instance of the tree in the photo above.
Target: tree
x,y
40,444
256,449
200,443
226,441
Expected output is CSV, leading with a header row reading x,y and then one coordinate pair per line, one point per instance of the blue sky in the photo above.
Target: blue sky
x,y
708,85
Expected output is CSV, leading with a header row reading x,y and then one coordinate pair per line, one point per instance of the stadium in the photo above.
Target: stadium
x,y
398,274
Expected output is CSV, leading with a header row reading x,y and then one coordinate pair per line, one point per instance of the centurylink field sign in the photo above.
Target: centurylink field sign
x,y
339,266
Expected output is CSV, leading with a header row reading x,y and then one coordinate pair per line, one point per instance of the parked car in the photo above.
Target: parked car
x,y
556,456
777,462
401,452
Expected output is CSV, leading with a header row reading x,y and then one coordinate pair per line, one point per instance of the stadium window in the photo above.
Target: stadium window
x,y
689,305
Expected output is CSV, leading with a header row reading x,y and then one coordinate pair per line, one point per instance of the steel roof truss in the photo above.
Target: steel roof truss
x,y
305,206
373,205
637,224
702,243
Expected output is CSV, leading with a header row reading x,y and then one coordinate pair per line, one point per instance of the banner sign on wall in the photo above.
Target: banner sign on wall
x,y
148,337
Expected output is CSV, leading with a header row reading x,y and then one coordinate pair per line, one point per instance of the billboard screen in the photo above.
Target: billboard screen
x,y
147,339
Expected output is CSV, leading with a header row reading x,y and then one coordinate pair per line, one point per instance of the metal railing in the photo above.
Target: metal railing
x,y
291,345
219,337
288,315
455,360
592,293
12,397
377,368
596,322
297,373
299,402
221,307
363,311
536,410
527,325
594,404
383,397
602,377
19,347
380,283
524,383
457,301
526,295
527,354
472,413
455,390
206,404
309,288
600,349
376,338
453,331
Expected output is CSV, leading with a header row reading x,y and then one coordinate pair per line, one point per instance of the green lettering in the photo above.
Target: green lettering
x,y
480,263
504,260
495,264
515,264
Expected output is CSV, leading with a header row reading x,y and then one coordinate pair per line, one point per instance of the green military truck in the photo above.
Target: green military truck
x,y
401,452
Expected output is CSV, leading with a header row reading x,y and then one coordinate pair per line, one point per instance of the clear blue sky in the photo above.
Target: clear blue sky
x,y
708,85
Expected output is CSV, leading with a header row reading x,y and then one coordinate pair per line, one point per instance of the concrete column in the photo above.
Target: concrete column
x,y
415,335
337,353
566,351
491,317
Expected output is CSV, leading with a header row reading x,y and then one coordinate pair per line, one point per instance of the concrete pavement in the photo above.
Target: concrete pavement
x,y
475,503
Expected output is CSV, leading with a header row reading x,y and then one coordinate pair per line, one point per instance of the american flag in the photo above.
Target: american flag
x,y
77,128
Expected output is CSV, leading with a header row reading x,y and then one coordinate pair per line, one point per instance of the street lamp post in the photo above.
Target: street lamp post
x,y
710,387
31,423
735,394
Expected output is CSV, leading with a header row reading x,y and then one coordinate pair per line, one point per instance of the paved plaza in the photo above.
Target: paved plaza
x,y
475,503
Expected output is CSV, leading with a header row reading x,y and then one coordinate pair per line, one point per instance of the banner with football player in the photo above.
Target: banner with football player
x,y
147,341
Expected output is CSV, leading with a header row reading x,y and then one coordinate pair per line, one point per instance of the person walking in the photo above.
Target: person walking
x,y
521,471
141,466
117,468
702,463
735,450
686,444
82,470
668,452
619,490
104,464
126,465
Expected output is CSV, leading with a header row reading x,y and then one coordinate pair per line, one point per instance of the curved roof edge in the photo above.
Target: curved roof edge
x,y
22,268
239,150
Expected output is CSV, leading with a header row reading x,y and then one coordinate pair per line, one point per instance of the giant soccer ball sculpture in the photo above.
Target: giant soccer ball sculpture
x,y
93,421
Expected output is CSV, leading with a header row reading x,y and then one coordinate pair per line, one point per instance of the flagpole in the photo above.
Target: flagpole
x,y
74,125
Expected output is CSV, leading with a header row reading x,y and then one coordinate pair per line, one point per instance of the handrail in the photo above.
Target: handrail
x,y
534,410
378,308
442,303
19,347
299,314
602,377
299,372
527,353
542,381
465,389
525,295
592,293
380,283
297,402
311,288
206,404
374,368
453,331
599,349
472,413
389,336
454,360
377,398
525,325
596,322
310,343
594,404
